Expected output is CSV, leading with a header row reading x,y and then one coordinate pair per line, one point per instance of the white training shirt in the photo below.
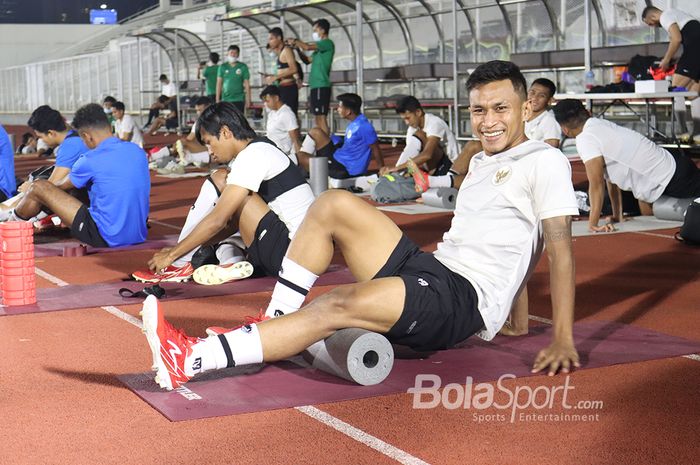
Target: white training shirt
x,y
495,239
169,89
279,123
543,127
126,125
260,162
671,16
632,162
434,126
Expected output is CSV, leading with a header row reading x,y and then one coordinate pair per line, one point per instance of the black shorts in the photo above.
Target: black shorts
x,y
85,230
290,96
685,182
440,308
270,244
239,105
689,62
336,170
320,100
171,123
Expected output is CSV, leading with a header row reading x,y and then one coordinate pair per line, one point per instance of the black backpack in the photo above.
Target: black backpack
x,y
690,231
639,67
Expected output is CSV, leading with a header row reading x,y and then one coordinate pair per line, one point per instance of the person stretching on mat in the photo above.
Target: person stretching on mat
x,y
517,198
115,173
624,160
265,199
540,125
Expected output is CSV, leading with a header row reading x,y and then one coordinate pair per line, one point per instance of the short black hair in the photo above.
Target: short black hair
x,y
571,113
163,77
408,103
649,9
222,114
90,116
204,100
352,102
277,32
26,136
323,24
214,57
498,70
119,106
270,90
45,119
234,47
544,82
109,99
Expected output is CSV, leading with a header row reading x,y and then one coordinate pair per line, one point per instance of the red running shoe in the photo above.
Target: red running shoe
x,y
170,346
248,320
420,177
171,274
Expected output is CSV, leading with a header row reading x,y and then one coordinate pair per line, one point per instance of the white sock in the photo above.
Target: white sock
x,y
241,346
309,145
695,113
441,181
290,291
205,203
413,148
196,157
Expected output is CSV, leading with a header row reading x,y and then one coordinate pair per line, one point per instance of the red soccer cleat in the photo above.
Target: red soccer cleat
x,y
420,177
171,274
170,346
247,320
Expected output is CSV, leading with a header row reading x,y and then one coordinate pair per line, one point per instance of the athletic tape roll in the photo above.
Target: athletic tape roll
x,y
671,208
358,355
318,174
442,197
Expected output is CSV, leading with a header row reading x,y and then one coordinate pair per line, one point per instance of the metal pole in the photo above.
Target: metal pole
x,y
221,38
455,70
359,50
177,79
140,57
587,42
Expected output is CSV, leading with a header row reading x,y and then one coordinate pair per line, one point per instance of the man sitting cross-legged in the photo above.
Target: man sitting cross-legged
x,y
265,199
115,174
517,198
352,155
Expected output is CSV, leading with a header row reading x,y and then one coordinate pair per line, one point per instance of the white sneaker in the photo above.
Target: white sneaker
x,y
696,139
211,275
180,151
172,168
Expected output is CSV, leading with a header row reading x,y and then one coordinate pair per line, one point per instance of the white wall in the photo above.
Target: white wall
x,y
27,43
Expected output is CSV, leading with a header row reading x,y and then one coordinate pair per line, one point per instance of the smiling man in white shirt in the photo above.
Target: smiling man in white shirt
x,y
517,198
541,124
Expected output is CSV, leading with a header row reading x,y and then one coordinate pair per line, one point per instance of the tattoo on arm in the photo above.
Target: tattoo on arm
x,y
557,232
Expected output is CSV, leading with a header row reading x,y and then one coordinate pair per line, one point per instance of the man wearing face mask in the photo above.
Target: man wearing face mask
x,y
233,81
320,77
115,173
108,105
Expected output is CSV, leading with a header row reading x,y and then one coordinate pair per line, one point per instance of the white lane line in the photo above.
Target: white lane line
x,y
360,436
167,225
665,236
540,319
109,309
695,357
123,315
49,277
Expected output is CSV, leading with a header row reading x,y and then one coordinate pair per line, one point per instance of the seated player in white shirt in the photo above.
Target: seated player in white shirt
x,y
282,125
517,198
625,160
264,199
541,124
125,127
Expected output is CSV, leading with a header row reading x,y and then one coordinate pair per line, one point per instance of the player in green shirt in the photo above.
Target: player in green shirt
x,y
233,81
320,76
210,73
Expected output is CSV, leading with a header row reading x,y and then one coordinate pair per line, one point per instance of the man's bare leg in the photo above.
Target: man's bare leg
x,y
43,193
321,122
317,139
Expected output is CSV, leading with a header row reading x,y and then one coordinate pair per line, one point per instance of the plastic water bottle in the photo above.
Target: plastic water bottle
x,y
589,80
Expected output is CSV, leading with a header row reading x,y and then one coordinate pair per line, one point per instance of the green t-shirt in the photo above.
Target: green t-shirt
x,y
233,77
210,74
322,59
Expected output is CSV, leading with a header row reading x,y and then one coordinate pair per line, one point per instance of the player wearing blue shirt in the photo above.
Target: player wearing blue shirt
x,y
350,157
115,174
8,185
